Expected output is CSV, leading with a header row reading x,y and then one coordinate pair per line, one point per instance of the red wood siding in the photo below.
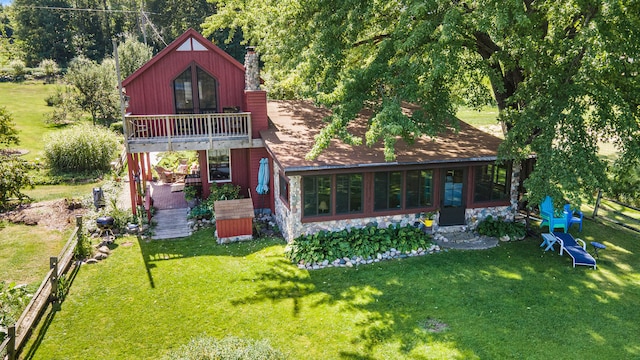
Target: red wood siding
x,y
204,176
234,227
260,201
152,91
240,170
256,103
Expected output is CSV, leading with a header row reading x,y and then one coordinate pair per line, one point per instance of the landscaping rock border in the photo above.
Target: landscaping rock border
x,y
357,260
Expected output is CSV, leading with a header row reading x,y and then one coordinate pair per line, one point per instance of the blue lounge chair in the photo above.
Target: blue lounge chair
x,y
572,247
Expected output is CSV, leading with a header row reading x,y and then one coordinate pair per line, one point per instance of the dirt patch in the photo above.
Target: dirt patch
x,y
434,325
52,215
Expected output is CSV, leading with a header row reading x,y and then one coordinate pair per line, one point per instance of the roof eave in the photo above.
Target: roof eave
x,y
300,169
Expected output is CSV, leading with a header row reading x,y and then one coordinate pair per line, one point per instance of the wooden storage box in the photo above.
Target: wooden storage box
x,y
234,217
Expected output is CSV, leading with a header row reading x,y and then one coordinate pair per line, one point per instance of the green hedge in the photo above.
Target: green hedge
x,y
366,243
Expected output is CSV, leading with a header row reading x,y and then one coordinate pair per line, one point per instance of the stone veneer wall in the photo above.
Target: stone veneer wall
x,y
252,70
288,219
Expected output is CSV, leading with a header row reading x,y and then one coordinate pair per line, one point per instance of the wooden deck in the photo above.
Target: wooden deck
x,y
146,133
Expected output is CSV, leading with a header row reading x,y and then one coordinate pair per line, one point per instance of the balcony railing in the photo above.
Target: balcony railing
x,y
172,129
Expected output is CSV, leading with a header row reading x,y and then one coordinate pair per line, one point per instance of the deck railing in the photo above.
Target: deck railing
x,y
168,127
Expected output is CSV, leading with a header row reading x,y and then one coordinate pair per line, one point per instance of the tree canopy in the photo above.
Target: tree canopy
x,y
64,29
564,74
95,88
133,55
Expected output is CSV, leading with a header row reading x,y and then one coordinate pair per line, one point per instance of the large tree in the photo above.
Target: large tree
x,y
42,26
132,55
95,88
563,73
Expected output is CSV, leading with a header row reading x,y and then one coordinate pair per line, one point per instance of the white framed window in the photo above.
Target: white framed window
x,y
219,163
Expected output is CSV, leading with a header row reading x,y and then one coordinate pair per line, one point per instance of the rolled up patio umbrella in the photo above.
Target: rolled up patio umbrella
x,y
263,177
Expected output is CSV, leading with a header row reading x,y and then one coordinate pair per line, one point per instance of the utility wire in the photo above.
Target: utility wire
x,y
145,14
82,9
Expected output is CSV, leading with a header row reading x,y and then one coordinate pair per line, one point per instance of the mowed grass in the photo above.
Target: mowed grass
x,y
64,191
511,302
487,116
25,252
25,102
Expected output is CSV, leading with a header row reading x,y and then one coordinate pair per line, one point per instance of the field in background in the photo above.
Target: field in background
x,y
25,102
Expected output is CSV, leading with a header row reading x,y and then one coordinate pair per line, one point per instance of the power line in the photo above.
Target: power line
x,y
82,9
143,14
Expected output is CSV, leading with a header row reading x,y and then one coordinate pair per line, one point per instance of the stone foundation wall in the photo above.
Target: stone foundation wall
x,y
474,216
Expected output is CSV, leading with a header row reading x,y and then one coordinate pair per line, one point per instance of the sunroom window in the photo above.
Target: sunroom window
x,y
492,182
317,195
419,191
387,190
349,189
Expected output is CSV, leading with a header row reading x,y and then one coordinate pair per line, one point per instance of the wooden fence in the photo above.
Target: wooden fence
x,y
46,294
616,216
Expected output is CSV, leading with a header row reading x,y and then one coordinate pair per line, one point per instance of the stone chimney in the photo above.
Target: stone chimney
x,y
252,72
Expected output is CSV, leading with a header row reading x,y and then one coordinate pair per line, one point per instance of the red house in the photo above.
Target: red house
x,y
194,96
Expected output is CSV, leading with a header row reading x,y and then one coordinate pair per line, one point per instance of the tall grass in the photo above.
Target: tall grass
x,y
81,148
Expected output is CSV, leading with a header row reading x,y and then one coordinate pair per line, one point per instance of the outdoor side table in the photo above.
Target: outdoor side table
x,y
596,245
548,240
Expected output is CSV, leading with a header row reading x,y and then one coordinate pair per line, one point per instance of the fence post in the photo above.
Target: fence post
x,y
53,297
11,347
79,226
595,209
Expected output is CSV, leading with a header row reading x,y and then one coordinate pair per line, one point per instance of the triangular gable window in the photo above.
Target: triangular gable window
x,y
195,92
191,44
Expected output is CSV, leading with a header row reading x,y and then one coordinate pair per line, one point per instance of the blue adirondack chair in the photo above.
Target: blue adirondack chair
x,y
573,216
547,213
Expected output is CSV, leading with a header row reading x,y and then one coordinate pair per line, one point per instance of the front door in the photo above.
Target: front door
x,y
452,203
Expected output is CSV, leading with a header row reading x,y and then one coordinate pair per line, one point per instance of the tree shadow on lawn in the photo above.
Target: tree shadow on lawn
x,y
468,302
202,243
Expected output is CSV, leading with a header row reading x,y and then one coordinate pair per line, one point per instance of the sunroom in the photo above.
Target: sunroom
x,y
455,176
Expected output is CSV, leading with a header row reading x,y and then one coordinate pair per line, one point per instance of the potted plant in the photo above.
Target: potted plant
x,y
428,218
190,193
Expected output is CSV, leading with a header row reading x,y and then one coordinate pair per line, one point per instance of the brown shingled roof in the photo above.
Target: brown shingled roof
x,y
295,123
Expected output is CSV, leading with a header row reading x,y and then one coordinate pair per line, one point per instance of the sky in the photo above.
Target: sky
x,y
5,2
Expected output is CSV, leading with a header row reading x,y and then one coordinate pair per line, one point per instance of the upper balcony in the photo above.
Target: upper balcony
x,y
147,133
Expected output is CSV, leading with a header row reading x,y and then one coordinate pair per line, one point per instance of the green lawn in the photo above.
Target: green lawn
x,y
25,252
64,191
510,302
25,101
488,116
